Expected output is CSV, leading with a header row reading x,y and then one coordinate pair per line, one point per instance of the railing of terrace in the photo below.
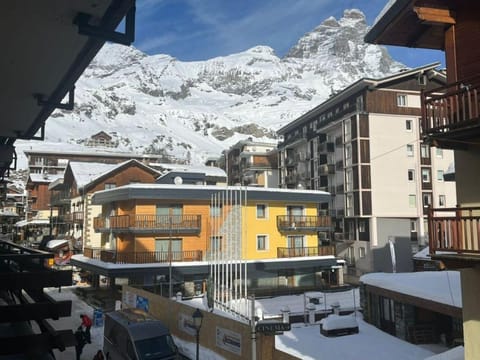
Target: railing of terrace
x,y
454,230
287,252
143,257
453,106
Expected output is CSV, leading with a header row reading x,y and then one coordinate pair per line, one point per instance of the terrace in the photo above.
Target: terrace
x,y
288,252
142,257
304,223
161,224
451,114
454,234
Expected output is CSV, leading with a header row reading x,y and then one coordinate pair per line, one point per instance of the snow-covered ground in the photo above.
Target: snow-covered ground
x,y
303,341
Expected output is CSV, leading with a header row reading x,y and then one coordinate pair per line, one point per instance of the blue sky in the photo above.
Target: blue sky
x,y
202,29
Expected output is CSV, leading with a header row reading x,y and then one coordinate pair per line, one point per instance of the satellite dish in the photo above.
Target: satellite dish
x,y
178,180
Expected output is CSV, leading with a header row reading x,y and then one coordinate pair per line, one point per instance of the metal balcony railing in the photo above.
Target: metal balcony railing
x,y
149,223
304,223
454,230
455,106
287,252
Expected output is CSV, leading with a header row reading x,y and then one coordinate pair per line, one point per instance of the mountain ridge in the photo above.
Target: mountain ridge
x,y
193,110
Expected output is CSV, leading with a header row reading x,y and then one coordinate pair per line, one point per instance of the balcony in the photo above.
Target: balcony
x,y
142,224
77,217
326,169
142,257
285,252
454,234
60,198
304,223
451,114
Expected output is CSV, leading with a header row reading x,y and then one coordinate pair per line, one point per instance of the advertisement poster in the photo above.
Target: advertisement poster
x,y
185,323
229,340
130,298
142,303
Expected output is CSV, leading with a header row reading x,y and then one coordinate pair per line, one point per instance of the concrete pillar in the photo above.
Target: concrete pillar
x,y
311,313
285,314
340,276
470,279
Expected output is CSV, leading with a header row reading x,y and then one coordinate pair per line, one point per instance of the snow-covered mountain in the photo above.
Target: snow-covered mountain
x,y
158,104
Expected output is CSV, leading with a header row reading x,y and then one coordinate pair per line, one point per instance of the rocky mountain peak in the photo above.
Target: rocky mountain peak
x,y
193,110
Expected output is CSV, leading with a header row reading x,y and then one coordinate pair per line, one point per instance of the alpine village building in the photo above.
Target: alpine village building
x,y
363,146
450,120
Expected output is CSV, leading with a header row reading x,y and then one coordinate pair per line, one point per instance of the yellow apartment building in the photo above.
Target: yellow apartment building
x,y
153,231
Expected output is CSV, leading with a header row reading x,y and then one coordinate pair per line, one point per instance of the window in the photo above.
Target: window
x,y
361,252
425,151
439,153
402,100
262,242
422,80
441,200
409,150
412,200
261,211
413,225
110,186
425,175
362,225
408,125
411,175
440,175
427,199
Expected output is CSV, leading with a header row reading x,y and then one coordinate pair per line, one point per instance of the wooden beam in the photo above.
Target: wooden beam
x,y
36,345
35,280
35,311
434,15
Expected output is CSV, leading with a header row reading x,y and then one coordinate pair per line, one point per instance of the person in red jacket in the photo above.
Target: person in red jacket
x,y
86,324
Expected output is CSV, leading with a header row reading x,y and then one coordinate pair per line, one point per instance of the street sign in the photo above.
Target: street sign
x,y
272,327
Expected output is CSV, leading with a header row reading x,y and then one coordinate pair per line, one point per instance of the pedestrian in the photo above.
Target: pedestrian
x,y
99,355
81,341
86,324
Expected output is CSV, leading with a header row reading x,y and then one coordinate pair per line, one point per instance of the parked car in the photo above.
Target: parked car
x,y
135,335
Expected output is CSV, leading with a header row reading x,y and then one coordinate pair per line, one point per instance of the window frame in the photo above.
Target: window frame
x,y
265,211
402,100
265,242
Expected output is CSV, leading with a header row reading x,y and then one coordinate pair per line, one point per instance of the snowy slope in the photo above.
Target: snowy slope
x,y
158,104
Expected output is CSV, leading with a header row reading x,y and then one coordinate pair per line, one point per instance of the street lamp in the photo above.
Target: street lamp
x,y
197,324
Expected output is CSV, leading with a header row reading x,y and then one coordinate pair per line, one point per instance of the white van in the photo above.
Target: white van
x,y
132,334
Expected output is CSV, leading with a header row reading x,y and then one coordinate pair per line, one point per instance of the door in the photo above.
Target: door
x,y
162,250
295,244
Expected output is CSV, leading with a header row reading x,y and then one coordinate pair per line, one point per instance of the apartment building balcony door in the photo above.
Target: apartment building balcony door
x,y
162,252
296,245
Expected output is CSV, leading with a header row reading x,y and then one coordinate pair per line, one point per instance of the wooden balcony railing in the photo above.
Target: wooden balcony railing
x,y
144,257
455,106
149,223
305,223
285,252
454,230
92,253
77,217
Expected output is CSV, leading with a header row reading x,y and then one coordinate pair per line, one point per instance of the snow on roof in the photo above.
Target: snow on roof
x,y
208,170
53,244
439,286
384,10
457,353
44,178
306,343
423,254
22,223
85,172
334,321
